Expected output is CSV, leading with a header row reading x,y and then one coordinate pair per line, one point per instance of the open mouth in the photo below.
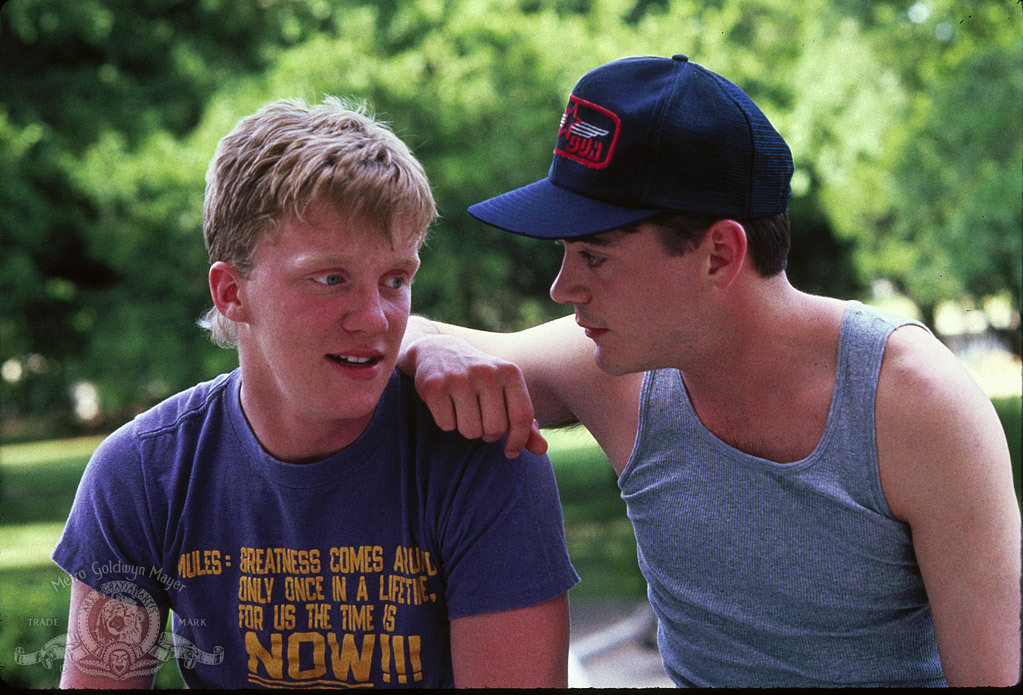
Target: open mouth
x,y
352,361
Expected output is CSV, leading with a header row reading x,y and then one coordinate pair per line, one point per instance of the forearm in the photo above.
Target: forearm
x,y
537,358
423,334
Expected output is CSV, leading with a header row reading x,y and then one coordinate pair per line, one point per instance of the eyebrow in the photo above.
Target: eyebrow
x,y
608,238
333,259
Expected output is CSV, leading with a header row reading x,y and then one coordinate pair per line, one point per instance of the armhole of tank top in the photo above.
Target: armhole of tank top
x,y
858,324
641,426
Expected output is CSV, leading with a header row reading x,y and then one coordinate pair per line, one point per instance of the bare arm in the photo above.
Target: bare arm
x,y
945,470
521,648
74,676
486,384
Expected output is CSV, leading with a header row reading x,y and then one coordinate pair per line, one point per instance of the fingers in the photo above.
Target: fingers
x,y
443,411
468,417
493,414
485,401
520,423
536,443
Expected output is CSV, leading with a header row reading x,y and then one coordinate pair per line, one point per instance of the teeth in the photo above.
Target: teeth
x,y
348,359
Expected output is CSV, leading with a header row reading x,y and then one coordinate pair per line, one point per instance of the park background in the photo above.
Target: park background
x,y
905,120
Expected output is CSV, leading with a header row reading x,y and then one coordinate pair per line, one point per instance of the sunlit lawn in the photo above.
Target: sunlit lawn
x,y
39,483
38,486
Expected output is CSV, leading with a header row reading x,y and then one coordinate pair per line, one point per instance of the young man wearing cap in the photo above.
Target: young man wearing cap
x,y
302,516
820,493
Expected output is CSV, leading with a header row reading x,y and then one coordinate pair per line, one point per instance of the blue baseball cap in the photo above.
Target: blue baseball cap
x,y
646,135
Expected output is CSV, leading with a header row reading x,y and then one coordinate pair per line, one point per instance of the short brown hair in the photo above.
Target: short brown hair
x,y
767,237
286,156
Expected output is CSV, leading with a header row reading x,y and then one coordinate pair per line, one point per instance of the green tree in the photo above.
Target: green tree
x,y
925,177
958,178
91,274
111,109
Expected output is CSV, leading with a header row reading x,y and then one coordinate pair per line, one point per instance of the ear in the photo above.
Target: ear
x,y
726,249
225,287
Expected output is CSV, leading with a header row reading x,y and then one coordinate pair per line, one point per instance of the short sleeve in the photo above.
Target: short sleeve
x,y
503,537
109,534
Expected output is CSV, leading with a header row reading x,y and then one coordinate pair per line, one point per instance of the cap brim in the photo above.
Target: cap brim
x,y
545,211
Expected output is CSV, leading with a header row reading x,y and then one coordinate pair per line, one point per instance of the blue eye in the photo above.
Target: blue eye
x,y
329,279
590,259
396,282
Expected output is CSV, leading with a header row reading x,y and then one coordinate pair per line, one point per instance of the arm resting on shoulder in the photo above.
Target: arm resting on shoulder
x,y
74,676
519,648
945,470
488,384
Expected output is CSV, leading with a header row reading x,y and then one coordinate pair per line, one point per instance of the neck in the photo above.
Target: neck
x,y
766,389
286,433
767,332
293,439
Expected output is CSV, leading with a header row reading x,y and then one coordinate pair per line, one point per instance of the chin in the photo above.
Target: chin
x,y
620,366
354,405
610,366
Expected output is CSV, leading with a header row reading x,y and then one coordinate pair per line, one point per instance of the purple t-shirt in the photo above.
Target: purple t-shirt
x,y
341,571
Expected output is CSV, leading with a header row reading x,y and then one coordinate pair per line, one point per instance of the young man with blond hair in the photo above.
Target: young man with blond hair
x,y
303,517
821,494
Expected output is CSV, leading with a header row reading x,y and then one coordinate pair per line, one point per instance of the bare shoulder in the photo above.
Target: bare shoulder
x,y
915,358
945,471
935,427
920,376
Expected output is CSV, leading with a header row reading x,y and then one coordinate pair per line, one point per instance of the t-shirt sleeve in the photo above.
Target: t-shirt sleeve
x,y
109,536
503,534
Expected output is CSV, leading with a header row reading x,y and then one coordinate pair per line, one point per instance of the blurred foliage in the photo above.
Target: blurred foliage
x,y
904,120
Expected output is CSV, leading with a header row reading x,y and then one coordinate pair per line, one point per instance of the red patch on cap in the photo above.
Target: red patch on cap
x,y
587,133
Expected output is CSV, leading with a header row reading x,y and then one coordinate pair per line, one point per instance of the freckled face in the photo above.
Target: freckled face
x,y
326,307
636,301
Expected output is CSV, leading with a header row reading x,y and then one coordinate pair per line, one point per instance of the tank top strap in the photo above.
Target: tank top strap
x,y
864,336
865,333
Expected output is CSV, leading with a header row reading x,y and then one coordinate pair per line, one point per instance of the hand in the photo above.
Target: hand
x,y
477,394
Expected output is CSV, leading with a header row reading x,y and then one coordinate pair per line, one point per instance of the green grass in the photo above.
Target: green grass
x,y
39,483
38,486
28,545
67,451
32,612
1010,412
599,534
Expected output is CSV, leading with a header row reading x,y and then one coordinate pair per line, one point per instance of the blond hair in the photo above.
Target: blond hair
x,y
286,156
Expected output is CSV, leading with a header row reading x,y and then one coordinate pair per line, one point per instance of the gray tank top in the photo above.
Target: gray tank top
x,y
767,574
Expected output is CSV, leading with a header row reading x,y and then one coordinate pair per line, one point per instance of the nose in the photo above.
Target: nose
x,y
566,288
367,315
